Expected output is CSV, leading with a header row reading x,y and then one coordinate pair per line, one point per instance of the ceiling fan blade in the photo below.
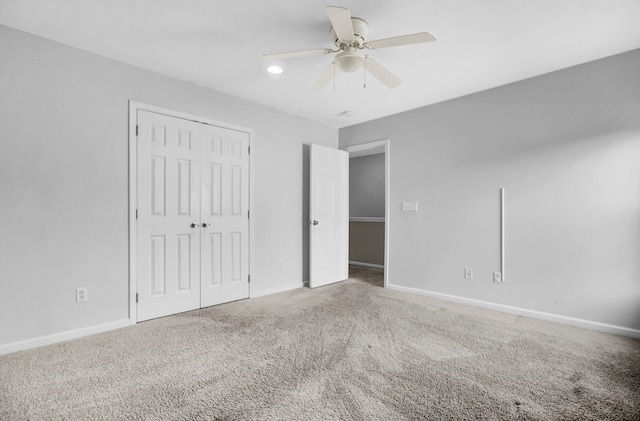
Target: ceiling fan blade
x,y
340,18
293,54
326,76
381,73
402,40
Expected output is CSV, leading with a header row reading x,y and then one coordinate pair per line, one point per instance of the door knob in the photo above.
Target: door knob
x,y
315,222
194,225
205,225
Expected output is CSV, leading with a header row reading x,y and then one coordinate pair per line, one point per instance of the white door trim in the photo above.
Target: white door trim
x,y
134,106
368,149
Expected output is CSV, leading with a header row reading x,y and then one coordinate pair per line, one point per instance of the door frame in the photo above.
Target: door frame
x,y
370,148
134,107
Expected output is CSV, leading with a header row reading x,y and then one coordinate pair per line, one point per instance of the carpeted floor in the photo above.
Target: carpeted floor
x,y
352,351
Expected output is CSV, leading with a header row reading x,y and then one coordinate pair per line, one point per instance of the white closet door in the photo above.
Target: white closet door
x,y
329,211
168,215
225,215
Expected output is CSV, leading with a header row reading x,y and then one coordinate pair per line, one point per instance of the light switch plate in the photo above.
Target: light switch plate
x,y
409,207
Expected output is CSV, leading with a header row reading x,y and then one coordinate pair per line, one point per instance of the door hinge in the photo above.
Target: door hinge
x,y
136,213
249,279
248,214
136,130
249,150
136,297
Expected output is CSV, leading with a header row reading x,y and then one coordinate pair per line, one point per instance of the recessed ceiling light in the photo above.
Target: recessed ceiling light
x,y
346,113
274,70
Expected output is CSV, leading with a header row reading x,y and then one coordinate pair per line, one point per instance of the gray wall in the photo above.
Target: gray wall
x,y
64,182
366,186
366,242
566,147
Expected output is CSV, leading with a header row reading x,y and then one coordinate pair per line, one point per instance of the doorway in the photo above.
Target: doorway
x,y
370,217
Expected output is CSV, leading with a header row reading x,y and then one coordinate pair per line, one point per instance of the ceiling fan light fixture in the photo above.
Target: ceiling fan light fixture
x,y
274,69
349,61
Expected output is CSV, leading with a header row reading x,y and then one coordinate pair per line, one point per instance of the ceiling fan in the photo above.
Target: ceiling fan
x,y
350,37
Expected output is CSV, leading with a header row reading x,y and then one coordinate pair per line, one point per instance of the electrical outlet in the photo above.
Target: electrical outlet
x,y
468,273
281,265
497,277
81,294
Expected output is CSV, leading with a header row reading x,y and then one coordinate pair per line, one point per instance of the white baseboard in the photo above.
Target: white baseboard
x,y
62,336
270,291
571,321
366,265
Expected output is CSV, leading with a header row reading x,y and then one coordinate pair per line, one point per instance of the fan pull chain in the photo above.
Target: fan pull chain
x,y
365,72
334,76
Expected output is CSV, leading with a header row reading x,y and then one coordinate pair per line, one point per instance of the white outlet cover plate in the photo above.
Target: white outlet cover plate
x,y
81,294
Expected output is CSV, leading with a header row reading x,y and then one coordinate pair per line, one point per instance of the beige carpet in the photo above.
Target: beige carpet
x,y
352,351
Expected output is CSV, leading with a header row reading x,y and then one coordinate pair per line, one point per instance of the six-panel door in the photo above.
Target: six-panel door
x,y
225,199
192,215
329,212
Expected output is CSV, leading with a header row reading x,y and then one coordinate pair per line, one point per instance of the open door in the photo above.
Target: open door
x,y
329,214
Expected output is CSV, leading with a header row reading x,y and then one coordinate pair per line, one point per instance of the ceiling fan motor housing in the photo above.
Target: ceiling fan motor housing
x,y
360,30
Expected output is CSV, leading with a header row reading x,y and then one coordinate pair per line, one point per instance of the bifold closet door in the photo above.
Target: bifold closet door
x,y
168,215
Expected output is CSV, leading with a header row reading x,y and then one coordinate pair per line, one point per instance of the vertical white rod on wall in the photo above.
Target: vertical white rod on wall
x,y
502,234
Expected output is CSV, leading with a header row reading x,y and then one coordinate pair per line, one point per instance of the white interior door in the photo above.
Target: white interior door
x,y
193,215
329,212
168,215
225,215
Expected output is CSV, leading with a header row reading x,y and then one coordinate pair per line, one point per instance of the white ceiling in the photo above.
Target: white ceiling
x,y
218,44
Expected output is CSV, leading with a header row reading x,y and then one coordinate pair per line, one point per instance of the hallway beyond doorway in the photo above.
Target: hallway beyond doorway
x,y
371,276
